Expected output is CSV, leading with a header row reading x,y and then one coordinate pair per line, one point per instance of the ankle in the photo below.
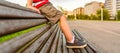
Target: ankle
x,y
71,41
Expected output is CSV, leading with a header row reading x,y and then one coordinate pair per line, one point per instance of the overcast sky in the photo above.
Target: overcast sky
x,y
66,4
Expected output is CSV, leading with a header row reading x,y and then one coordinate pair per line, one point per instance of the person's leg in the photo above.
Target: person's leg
x,y
72,42
65,28
53,15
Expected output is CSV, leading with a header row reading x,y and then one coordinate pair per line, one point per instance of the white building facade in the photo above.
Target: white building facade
x,y
112,6
92,8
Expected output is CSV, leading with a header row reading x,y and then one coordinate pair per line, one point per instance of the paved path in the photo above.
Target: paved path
x,y
105,35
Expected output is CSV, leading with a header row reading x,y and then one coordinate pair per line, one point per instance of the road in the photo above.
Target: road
x,y
103,34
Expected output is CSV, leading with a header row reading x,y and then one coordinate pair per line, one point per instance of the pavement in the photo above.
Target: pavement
x,y
103,34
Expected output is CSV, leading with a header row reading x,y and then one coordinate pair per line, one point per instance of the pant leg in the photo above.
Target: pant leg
x,y
51,13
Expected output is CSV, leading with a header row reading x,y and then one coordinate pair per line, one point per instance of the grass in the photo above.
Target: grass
x,y
13,35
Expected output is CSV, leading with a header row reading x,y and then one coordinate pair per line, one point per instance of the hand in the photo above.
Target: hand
x,y
38,11
29,5
35,9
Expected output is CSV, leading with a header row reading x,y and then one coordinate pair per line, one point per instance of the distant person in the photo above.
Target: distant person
x,y
45,8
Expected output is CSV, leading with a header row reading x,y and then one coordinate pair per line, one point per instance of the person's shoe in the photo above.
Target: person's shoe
x,y
77,44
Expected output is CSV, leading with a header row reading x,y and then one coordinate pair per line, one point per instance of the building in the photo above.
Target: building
x,y
92,7
78,11
112,6
118,5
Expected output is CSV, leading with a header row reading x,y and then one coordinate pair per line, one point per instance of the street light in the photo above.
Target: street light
x,y
101,4
101,14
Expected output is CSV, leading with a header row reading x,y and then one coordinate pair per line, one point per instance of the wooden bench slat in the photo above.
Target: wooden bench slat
x,y
28,44
59,46
13,5
83,50
64,49
46,39
38,43
47,46
76,50
13,25
89,50
55,42
70,51
15,43
7,12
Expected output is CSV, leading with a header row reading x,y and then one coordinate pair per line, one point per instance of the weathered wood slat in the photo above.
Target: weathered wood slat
x,y
16,11
55,42
28,44
12,45
47,46
59,46
76,50
39,42
7,8
46,39
70,51
89,50
13,25
13,5
65,50
7,12
83,50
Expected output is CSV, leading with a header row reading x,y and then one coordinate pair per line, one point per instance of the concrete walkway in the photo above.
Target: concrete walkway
x,y
105,35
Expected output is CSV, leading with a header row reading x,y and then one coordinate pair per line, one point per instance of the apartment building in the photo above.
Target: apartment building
x,y
117,5
92,7
78,11
112,6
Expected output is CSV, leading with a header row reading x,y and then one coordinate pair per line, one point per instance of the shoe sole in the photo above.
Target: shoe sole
x,y
77,46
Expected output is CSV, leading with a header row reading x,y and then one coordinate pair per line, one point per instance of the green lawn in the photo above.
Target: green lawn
x,y
13,35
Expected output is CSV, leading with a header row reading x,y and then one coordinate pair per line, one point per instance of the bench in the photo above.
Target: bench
x,y
43,39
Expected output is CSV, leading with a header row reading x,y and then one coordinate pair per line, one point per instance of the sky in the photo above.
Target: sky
x,y
65,4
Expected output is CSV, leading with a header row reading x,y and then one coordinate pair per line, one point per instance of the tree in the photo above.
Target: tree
x,y
118,15
94,17
70,17
106,15
86,17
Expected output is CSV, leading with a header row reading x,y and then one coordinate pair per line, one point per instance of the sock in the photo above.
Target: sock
x,y
72,41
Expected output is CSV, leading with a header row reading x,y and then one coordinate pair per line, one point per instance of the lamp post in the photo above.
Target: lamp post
x,y
101,4
101,14
116,17
75,14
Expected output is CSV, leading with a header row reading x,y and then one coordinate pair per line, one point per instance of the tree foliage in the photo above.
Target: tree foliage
x,y
118,15
70,17
106,15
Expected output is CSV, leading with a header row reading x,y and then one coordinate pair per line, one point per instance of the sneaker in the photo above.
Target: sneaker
x,y
78,43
